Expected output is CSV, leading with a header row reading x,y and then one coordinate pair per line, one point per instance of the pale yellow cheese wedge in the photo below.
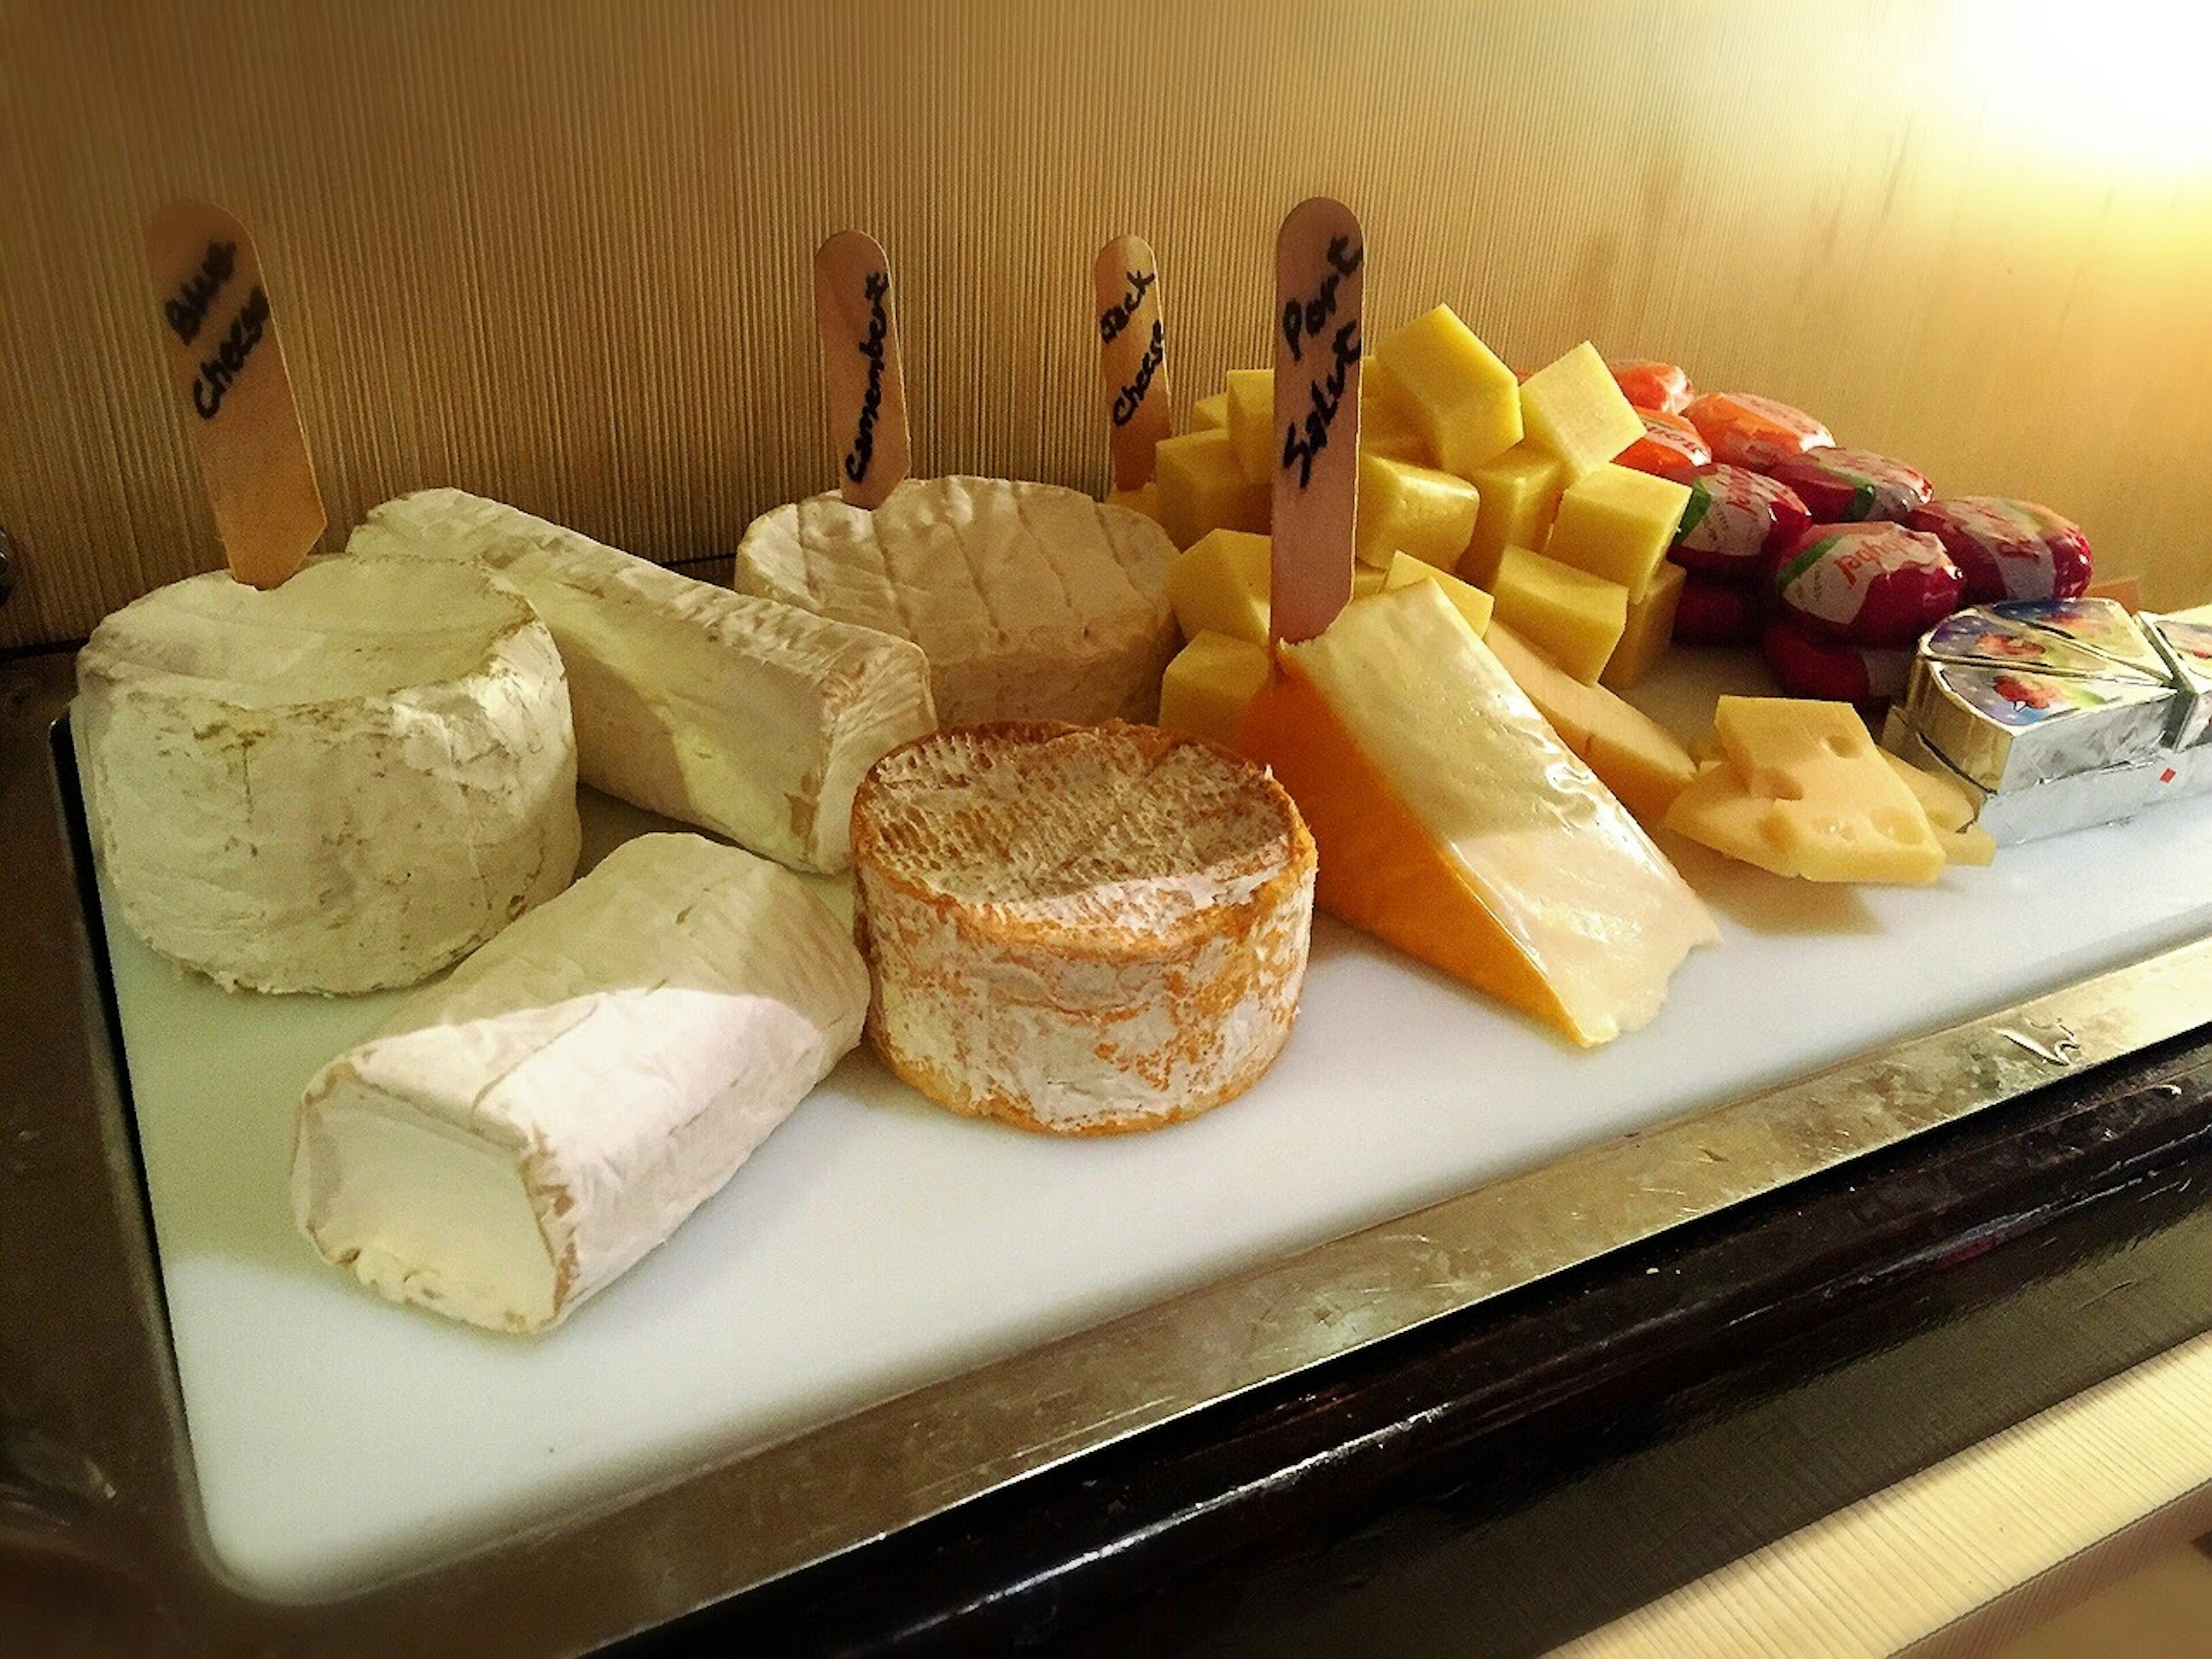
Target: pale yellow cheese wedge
x,y
1452,824
1208,684
1650,629
1466,403
1202,488
1573,408
1211,414
1971,845
1520,491
1145,499
1470,602
1618,523
1251,394
1404,508
1573,618
1946,803
1386,426
1220,584
1633,754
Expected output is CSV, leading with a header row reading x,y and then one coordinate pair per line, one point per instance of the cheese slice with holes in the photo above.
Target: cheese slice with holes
x,y
1031,602
513,1138
343,784
752,720
1453,823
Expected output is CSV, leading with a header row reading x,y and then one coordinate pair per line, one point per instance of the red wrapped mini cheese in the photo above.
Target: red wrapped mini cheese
x,y
1743,430
1849,486
2007,549
1834,670
1733,520
1669,449
1871,584
1711,612
1663,386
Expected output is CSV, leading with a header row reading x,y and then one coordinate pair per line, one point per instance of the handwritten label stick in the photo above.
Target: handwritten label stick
x,y
219,332
1320,256
864,385
1133,356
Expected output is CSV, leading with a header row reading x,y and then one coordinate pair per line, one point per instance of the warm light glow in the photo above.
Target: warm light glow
x,y
2108,84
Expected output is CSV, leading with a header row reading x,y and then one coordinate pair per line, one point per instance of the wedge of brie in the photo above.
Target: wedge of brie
x,y
753,720
345,783
512,1139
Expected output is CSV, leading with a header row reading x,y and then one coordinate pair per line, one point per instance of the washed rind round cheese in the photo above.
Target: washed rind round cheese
x,y
1031,602
344,784
1082,930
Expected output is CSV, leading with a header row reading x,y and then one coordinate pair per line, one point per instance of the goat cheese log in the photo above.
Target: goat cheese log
x,y
513,1138
343,784
1032,602
1079,929
753,720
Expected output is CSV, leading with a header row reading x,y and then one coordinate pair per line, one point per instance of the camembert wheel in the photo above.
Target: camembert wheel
x,y
1079,929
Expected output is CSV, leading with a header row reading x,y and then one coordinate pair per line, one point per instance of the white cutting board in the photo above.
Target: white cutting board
x,y
877,1243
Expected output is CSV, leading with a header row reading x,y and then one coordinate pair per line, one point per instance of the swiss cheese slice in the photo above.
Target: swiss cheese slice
x,y
1453,823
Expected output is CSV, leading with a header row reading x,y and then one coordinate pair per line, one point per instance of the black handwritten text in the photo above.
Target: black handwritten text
x,y
1119,315
186,309
222,368
862,454
1131,398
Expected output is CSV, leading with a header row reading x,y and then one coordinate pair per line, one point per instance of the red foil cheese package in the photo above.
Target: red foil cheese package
x,y
1834,670
2009,549
1849,486
1733,520
1871,584
1743,430
1663,386
1669,449
1712,612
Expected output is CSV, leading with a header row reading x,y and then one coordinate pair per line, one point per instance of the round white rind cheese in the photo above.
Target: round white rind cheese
x,y
344,784
1031,601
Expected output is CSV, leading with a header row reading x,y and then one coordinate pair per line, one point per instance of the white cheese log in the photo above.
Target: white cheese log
x,y
1032,602
513,1138
345,783
753,720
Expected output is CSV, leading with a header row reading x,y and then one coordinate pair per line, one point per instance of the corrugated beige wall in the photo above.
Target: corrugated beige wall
x,y
559,254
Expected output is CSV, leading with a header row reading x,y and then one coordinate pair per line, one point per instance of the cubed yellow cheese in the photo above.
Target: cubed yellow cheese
x,y
1650,626
1520,493
1211,414
1804,791
1471,603
1208,684
1573,408
1220,584
1386,426
1946,803
1203,488
1466,403
1404,508
1618,523
1251,396
1571,616
1144,500
1633,754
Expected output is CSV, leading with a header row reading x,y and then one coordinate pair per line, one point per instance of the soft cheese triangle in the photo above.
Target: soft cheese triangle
x,y
1032,602
513,1138
753,720
339,785
1453,823
1085,930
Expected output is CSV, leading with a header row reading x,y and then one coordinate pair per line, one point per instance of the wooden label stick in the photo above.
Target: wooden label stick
x,y
1319,255
863,384
1133,356
228,366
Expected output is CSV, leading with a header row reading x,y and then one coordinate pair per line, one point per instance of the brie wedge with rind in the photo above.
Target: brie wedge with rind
x,y
512,1139
753,720
343,784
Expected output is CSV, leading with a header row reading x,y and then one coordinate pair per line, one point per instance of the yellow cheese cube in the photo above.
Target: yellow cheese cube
x,y
1633,754
1467,404
1203,488
1573,408
1386,426
1209,683
1367,581
1404,508
1220,584
1618,523
1144,500
1520,493
1573,618
1650,626
1211,414
1251,396
1471,603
